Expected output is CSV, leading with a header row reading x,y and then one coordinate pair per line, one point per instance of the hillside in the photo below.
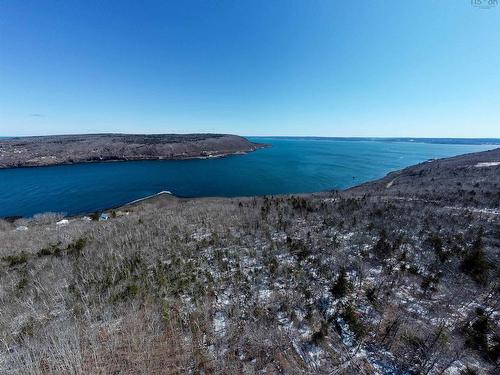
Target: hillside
x,y
466,180
69,149
397,276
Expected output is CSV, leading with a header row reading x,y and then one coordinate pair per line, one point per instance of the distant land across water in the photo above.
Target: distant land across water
x,y
456,141
292,165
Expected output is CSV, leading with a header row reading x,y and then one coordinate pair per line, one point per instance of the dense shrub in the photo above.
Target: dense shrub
x,y
475,263
341,285
480,335
382,247
77,246
351,317
14,260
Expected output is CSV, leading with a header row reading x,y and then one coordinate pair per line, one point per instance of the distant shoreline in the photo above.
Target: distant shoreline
x,y
218,156
451,141
27,152
429,140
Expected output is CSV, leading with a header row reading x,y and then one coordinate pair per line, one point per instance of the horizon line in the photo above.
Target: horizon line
x,y
258,136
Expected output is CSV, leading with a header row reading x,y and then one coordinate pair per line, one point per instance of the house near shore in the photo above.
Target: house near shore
x,y
104,217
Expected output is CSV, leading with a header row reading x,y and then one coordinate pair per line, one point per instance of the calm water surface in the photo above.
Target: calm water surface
x,y
289,166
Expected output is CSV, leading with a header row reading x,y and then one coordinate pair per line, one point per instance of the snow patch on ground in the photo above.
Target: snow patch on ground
x,y
487,164
220,323
264,295
201,234
346,334
279,236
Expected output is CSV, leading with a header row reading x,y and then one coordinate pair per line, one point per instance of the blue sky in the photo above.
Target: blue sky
x,y
427,68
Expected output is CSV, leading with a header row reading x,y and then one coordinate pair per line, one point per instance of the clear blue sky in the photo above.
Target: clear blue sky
x,y
427,68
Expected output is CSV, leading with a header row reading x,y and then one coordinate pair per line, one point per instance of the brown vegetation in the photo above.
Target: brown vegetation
x,y
70,149
337,282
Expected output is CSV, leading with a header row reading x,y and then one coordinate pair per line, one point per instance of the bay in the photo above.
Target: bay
x,y
289,166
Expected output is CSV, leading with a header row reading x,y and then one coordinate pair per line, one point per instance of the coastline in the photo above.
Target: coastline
x,y
117,160
27,152
388,181
147,198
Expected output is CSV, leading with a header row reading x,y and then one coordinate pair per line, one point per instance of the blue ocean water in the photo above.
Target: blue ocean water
x,y
291,165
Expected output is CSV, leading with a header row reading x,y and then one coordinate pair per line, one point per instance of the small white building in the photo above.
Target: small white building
x,y
104,217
